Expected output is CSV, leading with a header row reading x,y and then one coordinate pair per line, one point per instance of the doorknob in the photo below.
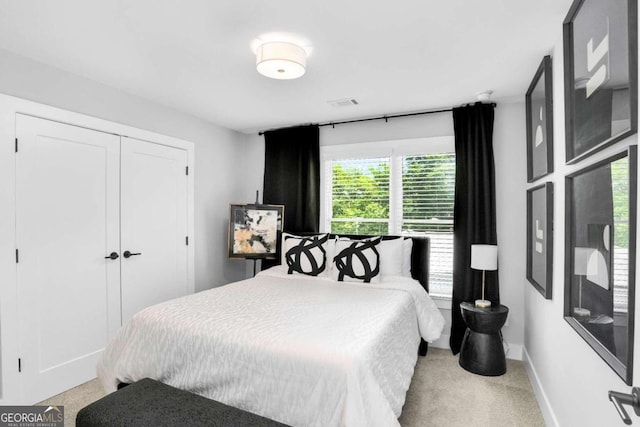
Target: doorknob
x,y
128,254
114,255
619,399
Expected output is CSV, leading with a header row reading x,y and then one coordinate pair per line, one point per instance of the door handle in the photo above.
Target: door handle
x,y
128,254
114,255
618,399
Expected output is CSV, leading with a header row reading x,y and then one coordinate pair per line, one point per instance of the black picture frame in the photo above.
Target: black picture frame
x,y
539,106
255,230
540,238
600,283
600,75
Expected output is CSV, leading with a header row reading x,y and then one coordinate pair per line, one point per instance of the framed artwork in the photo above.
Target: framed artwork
x,y
600,253
600,75
254,230
540,238
539,104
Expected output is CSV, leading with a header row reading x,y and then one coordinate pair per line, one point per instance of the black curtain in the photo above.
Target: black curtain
x,y
292,176
474,212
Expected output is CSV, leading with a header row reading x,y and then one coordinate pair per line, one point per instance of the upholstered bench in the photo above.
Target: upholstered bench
x,y
153,404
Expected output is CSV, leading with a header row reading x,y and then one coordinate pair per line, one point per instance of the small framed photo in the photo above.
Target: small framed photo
x,y
600,257
540,238
539,105
600,75
255,230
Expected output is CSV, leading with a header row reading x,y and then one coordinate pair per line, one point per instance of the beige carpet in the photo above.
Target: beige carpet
x,y
444,394
441,394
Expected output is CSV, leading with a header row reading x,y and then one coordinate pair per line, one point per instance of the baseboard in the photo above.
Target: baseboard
x,y
442,342
547,412
512,351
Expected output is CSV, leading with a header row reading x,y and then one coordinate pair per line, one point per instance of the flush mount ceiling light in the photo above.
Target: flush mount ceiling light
x,y
281,60
484,96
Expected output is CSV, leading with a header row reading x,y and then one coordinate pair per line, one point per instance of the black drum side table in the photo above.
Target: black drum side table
x,y
482,351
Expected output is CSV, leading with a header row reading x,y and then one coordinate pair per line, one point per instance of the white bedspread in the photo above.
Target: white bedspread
x,y
302,351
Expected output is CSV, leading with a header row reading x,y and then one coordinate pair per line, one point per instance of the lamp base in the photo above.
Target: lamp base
x,y
483,303
582,312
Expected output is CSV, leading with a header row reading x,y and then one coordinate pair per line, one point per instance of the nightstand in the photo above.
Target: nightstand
x,y
482,351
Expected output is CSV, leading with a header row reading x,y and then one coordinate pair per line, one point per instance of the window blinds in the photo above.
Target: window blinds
x,y
428,185
360,196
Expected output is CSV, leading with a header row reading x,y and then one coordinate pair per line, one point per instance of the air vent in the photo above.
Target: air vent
x,y
347,102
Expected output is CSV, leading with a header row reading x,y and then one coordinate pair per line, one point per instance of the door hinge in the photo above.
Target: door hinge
x,y
17,257
186,240
186,170
19,365
16,145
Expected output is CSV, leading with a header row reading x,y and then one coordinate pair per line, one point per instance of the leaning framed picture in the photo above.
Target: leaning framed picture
x,y
539,106
600,75
540,238
255,230
600,257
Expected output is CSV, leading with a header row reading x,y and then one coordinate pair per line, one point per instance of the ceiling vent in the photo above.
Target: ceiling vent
x,y
347,102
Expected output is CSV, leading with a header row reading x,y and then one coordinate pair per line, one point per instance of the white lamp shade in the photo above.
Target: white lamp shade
x,y
597,271
484,257
281,60
581,260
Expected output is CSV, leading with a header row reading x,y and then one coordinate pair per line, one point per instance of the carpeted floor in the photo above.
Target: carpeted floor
x,y
442,394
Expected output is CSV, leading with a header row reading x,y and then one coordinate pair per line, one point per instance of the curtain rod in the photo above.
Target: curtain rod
x,y
385,118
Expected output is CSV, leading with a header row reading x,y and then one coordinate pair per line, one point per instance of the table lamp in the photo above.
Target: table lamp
x,y
484,257
580,269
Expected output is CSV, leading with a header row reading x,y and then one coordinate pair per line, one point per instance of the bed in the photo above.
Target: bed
x,y
299,349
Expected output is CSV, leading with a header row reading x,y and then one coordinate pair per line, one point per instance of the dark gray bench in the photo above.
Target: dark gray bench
x,y
152,403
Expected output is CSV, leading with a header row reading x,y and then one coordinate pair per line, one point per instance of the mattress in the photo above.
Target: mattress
x,y
301,350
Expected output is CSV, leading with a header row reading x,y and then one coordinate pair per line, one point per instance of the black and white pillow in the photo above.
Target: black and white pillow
x,y
357,260
305,255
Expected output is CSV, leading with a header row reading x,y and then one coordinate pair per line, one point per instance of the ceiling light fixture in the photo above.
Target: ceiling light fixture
x,y
281,60
484,96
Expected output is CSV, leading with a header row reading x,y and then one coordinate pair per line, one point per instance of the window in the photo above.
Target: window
x,y
396,187
360,196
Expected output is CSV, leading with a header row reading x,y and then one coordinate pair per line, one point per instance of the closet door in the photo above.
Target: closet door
x,y
153,224
67,222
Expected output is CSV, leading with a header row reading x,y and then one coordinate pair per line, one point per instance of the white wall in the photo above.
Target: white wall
x,y
570,379
217,150
509,148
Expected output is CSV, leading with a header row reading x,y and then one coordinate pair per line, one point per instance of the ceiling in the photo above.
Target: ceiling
x,y
197,56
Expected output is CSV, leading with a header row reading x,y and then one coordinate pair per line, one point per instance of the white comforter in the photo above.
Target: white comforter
x,y
302,351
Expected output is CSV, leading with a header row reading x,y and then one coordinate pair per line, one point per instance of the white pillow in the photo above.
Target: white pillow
x,y
407,248
331,251
391,257
357,260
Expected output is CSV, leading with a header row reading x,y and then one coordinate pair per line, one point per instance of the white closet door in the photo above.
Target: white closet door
x,y
67,208
153,224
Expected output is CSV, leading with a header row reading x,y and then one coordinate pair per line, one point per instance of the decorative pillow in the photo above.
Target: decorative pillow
x,y
357,260
305,255
407,249
391,257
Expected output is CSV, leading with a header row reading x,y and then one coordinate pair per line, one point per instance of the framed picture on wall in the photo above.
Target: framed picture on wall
x,y
600,75
600,254
539,105
255,230
540,238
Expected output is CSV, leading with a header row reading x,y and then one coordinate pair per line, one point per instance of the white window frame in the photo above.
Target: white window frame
x,y
395,150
